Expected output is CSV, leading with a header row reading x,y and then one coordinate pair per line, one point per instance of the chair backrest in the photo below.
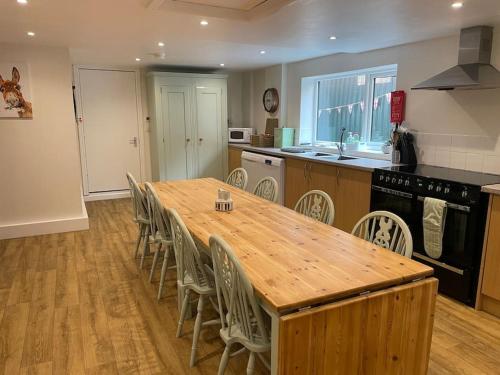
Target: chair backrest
x,y
387,230
267,188
238,178
318,205
139,203
234,287
159,219
189,264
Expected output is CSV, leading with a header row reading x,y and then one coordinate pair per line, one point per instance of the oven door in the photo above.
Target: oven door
x,y
458,266
398,202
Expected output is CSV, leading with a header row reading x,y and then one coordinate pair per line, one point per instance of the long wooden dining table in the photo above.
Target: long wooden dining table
x,y
338,304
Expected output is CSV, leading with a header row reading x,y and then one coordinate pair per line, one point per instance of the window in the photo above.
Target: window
x,y
358,101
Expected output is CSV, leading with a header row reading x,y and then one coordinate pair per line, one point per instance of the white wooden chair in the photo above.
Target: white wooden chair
x,y
267,188
318,205
141,217
238,178
387,230
162,236
193,276
244,322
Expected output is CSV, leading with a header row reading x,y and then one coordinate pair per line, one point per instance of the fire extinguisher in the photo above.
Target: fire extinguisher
x,y
398,101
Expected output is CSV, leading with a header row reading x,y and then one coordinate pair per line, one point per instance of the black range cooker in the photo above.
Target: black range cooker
x,y
402,190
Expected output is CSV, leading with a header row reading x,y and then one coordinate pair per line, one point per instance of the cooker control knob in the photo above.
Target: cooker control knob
x,y
407,182
394,180
381,177
388,178
465,193
400,181
430,187
438,188
447,190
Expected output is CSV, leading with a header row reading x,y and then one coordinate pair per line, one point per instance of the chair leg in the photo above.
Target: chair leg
x,y
155,261
139,237
251,364
145,250
164,268
224,360
197,329
183,313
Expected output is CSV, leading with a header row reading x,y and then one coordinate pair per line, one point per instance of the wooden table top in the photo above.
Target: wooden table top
x,y
292,261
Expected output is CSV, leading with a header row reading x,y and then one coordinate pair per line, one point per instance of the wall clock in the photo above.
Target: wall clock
x,y
271,101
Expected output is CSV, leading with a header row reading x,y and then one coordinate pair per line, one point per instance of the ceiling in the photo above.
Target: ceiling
x,y
115,32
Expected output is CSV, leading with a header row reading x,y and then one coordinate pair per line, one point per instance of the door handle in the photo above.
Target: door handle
x,y
133,141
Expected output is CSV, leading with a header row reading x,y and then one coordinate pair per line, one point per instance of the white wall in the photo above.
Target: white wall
x,y
459,129
40,189
254,84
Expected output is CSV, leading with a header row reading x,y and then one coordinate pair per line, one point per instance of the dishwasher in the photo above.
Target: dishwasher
x,y
259,166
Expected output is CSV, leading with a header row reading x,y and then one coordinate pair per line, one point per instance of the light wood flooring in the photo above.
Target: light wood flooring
x,y
76,303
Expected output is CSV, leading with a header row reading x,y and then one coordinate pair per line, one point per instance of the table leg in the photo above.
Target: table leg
x,y
275,326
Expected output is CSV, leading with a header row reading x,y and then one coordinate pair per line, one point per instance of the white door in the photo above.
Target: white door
x,y
178,143
209,137
109,113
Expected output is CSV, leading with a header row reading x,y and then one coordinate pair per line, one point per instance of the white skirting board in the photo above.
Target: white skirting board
x,y
107,195
46,227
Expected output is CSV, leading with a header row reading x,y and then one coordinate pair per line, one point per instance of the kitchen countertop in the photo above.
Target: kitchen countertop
x,y
364,164
492,189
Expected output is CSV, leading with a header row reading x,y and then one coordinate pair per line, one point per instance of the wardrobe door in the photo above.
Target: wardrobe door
x,y
209,155
177,138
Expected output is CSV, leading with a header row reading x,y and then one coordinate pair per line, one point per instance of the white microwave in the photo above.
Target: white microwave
x,y
240,135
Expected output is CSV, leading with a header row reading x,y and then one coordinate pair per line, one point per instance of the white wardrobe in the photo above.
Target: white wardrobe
x,y
188,122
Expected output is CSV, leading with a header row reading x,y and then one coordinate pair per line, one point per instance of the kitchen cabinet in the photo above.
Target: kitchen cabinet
x,y
489,299
349,188
233,158
188,121
352,198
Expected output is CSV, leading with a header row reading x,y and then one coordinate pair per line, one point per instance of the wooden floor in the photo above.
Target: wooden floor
x,y
76,303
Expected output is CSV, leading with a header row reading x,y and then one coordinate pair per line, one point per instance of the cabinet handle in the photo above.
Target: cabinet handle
x,y
201,139
310,168
188,139
305,166
338,176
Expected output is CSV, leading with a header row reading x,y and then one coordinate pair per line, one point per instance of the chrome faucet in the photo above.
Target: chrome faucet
x,y
340,145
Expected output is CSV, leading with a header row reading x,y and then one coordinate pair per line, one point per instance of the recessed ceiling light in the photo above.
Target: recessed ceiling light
x,y
262,52
137,59
30,33
333,37
222,64
22,2
203,22
457,5
161,44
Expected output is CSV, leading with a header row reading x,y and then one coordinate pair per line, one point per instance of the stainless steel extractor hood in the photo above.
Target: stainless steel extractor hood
x,y
474,69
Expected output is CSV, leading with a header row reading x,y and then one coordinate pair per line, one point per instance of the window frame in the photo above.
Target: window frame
x,y
371,75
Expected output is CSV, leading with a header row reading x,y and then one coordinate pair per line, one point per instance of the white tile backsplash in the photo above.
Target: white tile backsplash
x,y
457,160
491,164
442,157
474,162
470,152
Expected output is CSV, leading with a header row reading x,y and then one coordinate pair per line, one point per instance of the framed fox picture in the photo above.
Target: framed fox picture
x,y
15,91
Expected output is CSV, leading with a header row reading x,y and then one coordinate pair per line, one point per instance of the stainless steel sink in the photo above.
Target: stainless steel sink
x,y
318,154
338,157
